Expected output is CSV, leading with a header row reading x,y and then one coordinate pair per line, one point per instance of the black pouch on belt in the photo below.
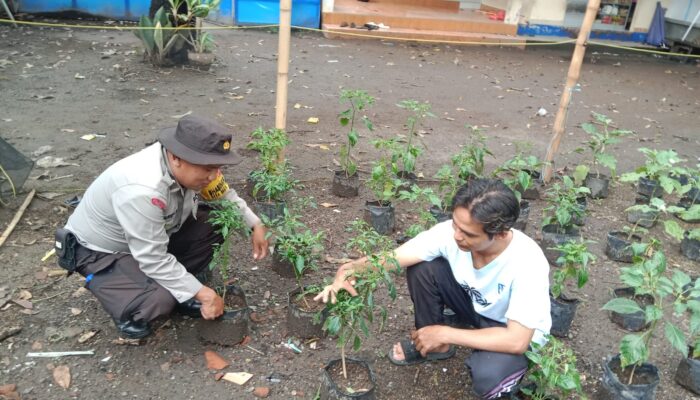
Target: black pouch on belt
x,y
65,245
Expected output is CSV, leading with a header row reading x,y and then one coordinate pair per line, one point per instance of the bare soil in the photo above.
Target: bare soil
x,y
60,84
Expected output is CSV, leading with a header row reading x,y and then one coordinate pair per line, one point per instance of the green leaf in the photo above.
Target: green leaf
x,y
357,343
352,137
653,313
344,121
673,229
622,306
607,160
589,128
580,174
676,338
633,350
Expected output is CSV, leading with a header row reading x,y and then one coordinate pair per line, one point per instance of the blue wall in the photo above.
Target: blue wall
x,y
558,31
117,9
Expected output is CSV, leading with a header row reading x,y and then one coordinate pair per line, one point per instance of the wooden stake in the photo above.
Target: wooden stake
x,y
17,217
571,80
283,66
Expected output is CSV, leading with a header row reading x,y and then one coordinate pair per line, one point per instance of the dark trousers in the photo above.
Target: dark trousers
x,y
433,286
125,292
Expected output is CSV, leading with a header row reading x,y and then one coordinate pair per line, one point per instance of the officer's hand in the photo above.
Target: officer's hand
x,y
212,303
261,246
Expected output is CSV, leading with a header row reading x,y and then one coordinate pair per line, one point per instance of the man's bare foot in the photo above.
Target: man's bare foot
x,y
399,356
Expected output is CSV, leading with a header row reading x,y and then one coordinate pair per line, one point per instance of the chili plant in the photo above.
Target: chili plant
x,y
420,111
227,219
516,172
599,141
383,181
660,166
470,161
350,317
423,198
562,203
552,372
297,244
573,264
647,276
357,101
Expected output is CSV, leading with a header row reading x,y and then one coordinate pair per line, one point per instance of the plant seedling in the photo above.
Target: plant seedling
x,y
383,182
562,203
357,101
552,371
274,179
660,166
297,244
423,198
470,161
227,219
573,263
349,317
420,111
647,277
599,141
516,173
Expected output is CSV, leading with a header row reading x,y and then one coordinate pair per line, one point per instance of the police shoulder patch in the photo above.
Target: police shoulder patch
x,y
158,203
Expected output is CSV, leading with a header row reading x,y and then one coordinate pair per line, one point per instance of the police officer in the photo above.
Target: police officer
x,y
141,235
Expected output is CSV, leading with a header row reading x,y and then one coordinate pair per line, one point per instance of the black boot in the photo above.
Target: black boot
x,y
133,329
192,308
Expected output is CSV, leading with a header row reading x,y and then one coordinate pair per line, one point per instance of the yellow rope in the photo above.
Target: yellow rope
x,y
230,27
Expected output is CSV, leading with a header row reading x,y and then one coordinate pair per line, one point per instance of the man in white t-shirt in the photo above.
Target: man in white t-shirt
x,y
494,278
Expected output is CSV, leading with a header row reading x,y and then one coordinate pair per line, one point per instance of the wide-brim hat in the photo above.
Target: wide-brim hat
x,y
199,141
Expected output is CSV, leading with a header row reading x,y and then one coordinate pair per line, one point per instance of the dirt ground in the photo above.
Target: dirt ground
x,y
60,84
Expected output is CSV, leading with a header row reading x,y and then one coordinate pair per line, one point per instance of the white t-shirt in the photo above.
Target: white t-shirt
x,y
515,285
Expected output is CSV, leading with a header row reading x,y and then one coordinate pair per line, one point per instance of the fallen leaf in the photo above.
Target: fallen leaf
x,y
88,137
165,367
239,378
55,272
215,361
66,130
320,146
312,120
78,76
24,303
61,375
79,292
24,295
297,106
27,311
126,342
86,336
182,115
75,311
246,339
37,345
257,318
329,205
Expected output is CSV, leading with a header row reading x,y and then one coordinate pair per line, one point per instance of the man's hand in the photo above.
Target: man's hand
x,y
212,303
261,246
343,280
429,339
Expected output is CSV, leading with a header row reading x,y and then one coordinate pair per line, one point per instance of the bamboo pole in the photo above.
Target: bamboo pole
x,y
17,217
283,66
571,80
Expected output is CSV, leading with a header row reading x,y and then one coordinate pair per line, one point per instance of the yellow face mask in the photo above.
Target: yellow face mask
x,y
215,189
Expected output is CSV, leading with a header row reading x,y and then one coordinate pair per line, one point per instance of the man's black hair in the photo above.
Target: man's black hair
x,y
490,202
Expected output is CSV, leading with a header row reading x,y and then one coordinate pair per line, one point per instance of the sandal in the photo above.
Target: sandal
x,y
413,356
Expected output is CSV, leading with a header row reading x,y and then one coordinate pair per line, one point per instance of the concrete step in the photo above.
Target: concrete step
x,y
334,31
421,22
